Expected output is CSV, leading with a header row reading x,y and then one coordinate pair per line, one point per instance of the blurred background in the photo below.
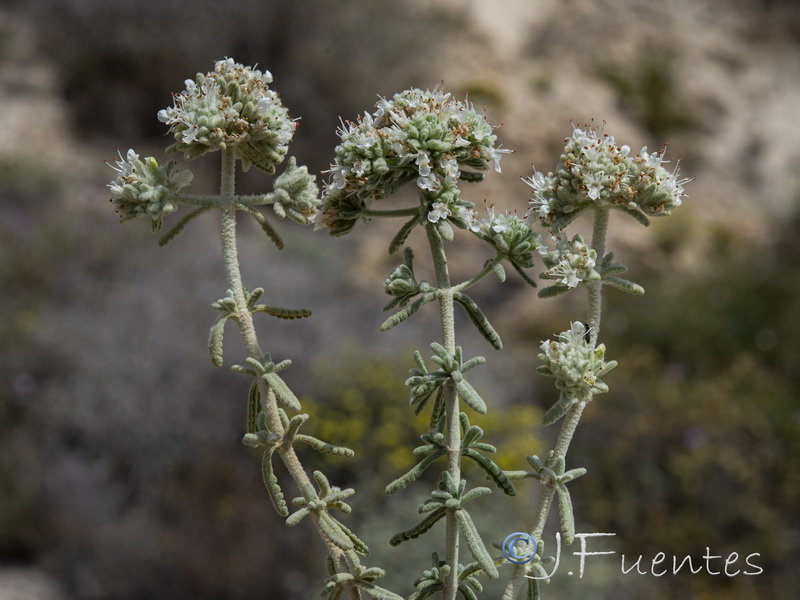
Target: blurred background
x,y
122,475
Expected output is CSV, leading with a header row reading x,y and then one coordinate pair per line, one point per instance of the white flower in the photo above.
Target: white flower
x,y
439,211
430,183
423,164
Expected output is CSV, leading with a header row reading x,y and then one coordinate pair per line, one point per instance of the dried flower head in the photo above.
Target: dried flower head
x,y
230,106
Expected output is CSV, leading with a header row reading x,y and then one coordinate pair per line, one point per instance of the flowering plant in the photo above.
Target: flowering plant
x,y
432,143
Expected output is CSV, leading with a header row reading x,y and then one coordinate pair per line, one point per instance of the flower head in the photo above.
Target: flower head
x,y
575,363
511,236
595,172
142,188
230,106
418,136
571,262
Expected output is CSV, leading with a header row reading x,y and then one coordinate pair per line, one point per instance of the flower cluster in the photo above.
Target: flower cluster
x,y
143,188
422,136
571,262
230,106
511,236
596,173
576,365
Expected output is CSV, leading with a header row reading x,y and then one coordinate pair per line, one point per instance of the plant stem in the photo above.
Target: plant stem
x,y
394,212
596,288
450,402
244,320
565,436
487,268
573,416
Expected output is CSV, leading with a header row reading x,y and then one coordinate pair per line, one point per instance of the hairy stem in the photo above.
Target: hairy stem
x,y
573,416
596,288
450,402
247,330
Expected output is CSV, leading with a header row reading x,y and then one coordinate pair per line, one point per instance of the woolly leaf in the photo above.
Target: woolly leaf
x,y
294,424
479,320
427,592
565,513
324,447
625,285
444,230
333,531
401,316
359,547
265,226
403,234
533,589
525,277
636,215
215,339
282,313
418,529
376,592
499,272
253,408
558,410
413,473
271,483
179,226
475,543
471,397
492,470
282,391
554,290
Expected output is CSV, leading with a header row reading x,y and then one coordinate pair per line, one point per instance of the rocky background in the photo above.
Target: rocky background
x,y
122,475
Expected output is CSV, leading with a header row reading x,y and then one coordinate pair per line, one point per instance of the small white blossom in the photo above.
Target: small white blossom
x,y
439,211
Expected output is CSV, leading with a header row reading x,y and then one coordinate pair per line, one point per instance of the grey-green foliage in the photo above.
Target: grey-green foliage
x,y
430,140
435,142
233,111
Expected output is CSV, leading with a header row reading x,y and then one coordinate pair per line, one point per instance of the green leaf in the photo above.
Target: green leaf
x,y
525,277
179,226
419,529
403,234
479,319
271,483
475,543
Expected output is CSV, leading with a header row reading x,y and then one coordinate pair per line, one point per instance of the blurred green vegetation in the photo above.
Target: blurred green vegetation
x,y
649,90
361,402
